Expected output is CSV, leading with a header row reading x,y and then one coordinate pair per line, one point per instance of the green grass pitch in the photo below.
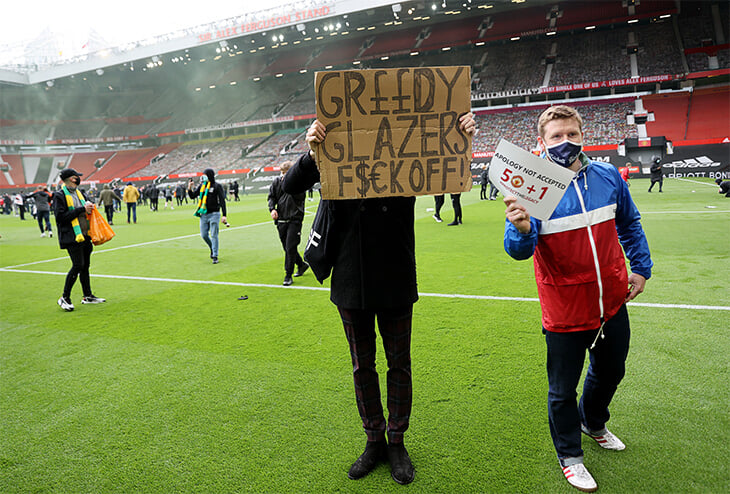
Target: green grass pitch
x,y
175,385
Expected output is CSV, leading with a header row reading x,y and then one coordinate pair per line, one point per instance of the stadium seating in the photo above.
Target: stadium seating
x,y
124,164
450,33
214,102
400,42
659,52
709,114
16,169
670,114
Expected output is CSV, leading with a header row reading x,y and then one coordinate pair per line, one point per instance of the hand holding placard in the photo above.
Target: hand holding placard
x,y
536,183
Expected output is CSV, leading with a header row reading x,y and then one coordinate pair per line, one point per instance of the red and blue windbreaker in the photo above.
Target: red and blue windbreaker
x,y
580,267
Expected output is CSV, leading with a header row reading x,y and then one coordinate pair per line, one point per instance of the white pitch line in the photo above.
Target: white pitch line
x,y
323,289
683,212
694,181
151,242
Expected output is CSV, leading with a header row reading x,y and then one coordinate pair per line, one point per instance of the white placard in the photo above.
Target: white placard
x,y
538,184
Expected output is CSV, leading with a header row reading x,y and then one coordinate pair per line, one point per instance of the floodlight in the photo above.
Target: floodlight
x,y
99,72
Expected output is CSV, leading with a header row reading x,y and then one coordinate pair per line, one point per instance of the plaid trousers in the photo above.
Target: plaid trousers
x,y
395,330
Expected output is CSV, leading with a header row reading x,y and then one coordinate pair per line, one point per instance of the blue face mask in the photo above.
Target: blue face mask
x,y
564,153
204,178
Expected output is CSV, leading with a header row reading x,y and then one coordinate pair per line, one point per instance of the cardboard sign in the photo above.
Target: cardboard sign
x,y
393,132
538,184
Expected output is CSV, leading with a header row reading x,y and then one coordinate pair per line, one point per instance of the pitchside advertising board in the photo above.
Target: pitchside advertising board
x,y
393,132
706,161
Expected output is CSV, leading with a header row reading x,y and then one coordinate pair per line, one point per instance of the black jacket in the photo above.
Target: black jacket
x,y
656,171
64,217
375,260
216,200
289,206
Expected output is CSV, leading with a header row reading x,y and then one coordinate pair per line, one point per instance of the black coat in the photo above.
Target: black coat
x,y
214,201
374,239
655,171
64,217
289,206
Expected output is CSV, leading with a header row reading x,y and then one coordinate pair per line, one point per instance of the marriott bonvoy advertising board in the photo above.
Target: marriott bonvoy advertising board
x,y
701,161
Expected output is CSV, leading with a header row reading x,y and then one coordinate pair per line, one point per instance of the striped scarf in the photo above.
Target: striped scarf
x,y
203,201
70,204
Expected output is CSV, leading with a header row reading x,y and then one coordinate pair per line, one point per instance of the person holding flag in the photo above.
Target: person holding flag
x,y
583,286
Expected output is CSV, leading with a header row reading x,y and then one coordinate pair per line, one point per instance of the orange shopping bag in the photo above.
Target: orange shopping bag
x,y
99,229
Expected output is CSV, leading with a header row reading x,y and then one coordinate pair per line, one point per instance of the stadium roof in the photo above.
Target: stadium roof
x,y
135,38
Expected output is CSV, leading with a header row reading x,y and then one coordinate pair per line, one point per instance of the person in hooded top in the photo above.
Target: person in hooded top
x,y
210,201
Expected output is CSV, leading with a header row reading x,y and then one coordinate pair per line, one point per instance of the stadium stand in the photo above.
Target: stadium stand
x,y
709,113
606,51
670,113
659,51
445,34
605,124
227,109
124,164
16,169
511,65
401,42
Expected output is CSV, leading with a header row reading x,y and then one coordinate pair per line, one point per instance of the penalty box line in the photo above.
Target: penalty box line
x,y
323,289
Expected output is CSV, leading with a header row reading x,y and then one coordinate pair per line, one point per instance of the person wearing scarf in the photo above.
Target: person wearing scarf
x,y
210,201
70,208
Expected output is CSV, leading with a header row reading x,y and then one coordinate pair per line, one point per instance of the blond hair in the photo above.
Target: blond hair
x,y
284,167
558,112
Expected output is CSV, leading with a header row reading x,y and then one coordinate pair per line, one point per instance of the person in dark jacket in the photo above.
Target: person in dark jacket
x,y
724,186
373,277
287,211
42,199
107,198
180,194
70,207
484,180
210,201
655,173
234,190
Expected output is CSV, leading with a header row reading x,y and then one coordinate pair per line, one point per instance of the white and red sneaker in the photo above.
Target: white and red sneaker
x,y
604,438
579,477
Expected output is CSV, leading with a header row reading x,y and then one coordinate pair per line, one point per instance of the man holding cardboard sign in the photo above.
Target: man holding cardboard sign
x,y
583,285
371,239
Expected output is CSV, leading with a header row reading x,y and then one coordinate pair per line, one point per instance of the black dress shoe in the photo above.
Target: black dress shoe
x,y
301,270
376,452
454,223
401,468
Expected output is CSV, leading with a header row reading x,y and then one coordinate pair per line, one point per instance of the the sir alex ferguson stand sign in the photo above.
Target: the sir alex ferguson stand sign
x,y
393,132
538,184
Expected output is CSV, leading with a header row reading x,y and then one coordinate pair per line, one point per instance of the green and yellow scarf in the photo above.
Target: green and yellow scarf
x,y
203,201
70,204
